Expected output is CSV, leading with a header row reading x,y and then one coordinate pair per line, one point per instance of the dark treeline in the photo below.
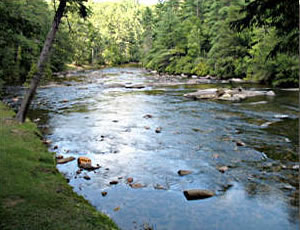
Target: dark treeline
x,y
256,40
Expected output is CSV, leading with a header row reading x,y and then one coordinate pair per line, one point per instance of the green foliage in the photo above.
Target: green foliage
x,y
24,26
201,68
203,32
257,40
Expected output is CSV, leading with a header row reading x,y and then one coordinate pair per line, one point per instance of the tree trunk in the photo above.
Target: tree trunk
x,y
21,115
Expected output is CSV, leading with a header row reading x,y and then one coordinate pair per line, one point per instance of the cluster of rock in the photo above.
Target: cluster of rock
x,y
237,94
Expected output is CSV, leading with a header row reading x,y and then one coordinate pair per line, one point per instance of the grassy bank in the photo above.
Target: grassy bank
x,y
33,194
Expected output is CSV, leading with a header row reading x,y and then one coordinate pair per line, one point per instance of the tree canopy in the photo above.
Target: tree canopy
x,y
257,40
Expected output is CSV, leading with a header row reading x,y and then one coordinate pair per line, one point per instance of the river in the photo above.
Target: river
x,y
88,114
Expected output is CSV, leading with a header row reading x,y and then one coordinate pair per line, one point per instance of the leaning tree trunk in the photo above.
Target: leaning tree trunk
x,y
21,115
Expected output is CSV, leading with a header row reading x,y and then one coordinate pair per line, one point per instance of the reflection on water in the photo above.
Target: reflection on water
x,y
108,125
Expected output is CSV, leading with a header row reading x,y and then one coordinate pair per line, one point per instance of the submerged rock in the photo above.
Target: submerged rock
x,y
159,187
223,169
114,85
137,185
195,194
117,209
184,172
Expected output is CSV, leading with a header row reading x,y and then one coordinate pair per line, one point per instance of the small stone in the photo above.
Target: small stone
x,y
266,124
16,99
115,121
288,187
295,167
287,140
240,143
65,100
86,177
65,160
184,172
148,116
103,193
283,167
47,142
158,130
226,187
129,179
137,185
55,147
195,194
270,93
59,157
147,127
215,156
36,120
159,187
120,177
281,116
223,169
117,209
114,182
107,169
78,171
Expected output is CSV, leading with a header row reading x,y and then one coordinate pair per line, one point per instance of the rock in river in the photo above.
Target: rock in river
x,y
240,143
114,182
195,194
86,177
103,193
237,94
65,160
158,130
86,163
184,172
137,185
222,169
129,179
148,116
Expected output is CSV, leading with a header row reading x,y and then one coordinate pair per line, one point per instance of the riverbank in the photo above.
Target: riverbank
x,y
33,194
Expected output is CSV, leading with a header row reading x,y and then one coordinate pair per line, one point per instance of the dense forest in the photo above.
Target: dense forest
x,y
253,40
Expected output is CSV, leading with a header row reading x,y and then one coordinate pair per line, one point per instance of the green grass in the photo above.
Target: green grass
x,y
33,194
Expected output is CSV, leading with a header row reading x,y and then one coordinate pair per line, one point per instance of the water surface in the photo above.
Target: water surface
x,y
95,117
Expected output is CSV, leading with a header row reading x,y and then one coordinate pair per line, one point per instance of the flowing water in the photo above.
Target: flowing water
x,y
90,115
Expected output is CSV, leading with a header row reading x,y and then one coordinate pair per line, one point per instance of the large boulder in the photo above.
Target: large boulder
x,y
237,94
86,163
